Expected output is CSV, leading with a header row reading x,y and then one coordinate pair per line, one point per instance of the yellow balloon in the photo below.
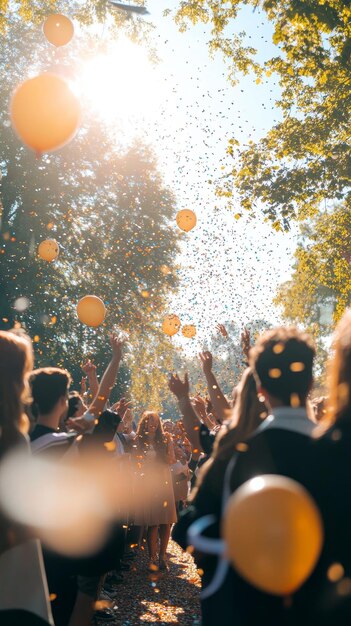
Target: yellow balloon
x,y
189,331
48,250
186,219
45,113
58,29
274,533
171,324
91,311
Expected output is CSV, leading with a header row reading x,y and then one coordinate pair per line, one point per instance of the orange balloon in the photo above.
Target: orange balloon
x,y
171,324
45,113
91,311
273,532
48,250
58,29
186,219
189,331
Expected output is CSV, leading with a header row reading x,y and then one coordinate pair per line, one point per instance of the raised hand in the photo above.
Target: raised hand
x,y
80,424
83,386
117,345
88,367
199,405
222,329
121,407
128,417
206,362
179,387
246,342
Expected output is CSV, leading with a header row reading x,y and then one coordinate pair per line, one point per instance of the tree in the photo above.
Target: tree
x,y
321,276
320,287
87,13
111,214
304,160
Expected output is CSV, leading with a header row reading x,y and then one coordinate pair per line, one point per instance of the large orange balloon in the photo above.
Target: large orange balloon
x,y
274,533
58,29
91,311
45,113
189,331
186,219
171,324
48,250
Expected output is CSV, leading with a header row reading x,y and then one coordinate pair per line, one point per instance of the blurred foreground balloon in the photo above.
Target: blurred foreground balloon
x,y
186,220
63,504
273,533
58,29
171,324
45,113
48,250
189,331
71,503
91,311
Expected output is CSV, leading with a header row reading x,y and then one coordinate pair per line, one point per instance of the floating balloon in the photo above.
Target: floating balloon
x,y
58,29
186,220
274,533
171,324
189,331
45,113
91,311
48,250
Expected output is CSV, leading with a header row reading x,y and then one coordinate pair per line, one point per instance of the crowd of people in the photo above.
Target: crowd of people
x,y
183,470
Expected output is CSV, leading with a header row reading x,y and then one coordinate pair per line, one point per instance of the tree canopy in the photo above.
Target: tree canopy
x,y
320,286
112,216
304,160
86,13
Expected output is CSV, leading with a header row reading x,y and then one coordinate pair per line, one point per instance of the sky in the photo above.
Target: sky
x,y
186,109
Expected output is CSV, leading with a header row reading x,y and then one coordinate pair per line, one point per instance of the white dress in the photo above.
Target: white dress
x,y
159,505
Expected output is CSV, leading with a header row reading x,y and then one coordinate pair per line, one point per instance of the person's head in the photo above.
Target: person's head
x,y
76,406
50,387
150,429
150,424
339,370
168,426
16,362
282,361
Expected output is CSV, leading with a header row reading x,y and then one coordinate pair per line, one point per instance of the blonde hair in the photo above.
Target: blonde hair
x,y
339,370
16,362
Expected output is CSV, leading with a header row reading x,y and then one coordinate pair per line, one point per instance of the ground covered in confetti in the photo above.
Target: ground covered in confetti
x,y
167,598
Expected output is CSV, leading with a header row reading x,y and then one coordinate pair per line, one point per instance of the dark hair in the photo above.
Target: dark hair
x,y
282,361
73,402
16,361
48,384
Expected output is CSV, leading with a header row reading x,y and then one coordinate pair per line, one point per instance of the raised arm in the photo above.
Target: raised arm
x,y
109,378
190,420
219,402
199,405
90,370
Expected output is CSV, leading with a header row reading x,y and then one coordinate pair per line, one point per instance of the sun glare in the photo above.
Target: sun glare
x,y
121,84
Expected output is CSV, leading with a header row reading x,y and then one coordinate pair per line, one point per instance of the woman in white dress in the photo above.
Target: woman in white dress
x,y
154,449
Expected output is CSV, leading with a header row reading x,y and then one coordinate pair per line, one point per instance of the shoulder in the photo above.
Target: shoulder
x,y
52,440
